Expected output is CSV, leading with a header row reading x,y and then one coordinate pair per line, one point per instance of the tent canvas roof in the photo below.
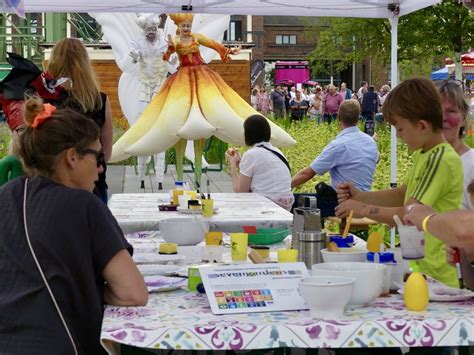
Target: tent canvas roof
x,y
319,8
440,74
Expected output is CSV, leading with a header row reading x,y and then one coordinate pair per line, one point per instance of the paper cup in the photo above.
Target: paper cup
x,y
213,238
175,194
287,255
207,207
239,243
412,242
183,200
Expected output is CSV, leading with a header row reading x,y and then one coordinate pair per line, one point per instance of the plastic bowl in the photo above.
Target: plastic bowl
x,y
266,236
344,254
183,231
369,278
326,296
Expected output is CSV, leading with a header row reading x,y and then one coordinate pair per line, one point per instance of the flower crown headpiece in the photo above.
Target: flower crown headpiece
x,y
180,18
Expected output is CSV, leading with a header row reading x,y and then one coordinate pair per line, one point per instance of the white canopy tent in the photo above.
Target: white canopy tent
x,y
320,8
390,9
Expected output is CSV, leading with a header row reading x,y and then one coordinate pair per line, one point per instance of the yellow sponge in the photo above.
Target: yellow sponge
x,y
168,248
374,241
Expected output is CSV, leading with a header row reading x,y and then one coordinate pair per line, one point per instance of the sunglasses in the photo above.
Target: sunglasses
x,y
450,83
99,155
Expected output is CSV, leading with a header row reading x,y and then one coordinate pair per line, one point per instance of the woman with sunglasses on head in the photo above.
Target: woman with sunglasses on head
x,y
455,126
69,59
62,252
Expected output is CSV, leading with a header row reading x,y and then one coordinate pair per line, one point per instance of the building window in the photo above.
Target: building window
x,y
234,32
285,39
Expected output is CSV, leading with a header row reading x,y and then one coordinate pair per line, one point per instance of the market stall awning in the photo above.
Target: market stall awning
x,y
319,8
448,71
468,58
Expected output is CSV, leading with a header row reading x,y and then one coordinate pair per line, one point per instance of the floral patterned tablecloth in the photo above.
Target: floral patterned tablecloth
x,y
183,320
139,212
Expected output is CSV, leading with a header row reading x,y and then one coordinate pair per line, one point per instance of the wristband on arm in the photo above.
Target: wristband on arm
x,y
425,222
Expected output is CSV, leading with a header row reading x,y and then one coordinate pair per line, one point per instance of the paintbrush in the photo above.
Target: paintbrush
x,y
457,264
208,185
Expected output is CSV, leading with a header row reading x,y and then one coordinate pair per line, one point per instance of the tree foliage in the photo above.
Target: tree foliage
x,y
424,37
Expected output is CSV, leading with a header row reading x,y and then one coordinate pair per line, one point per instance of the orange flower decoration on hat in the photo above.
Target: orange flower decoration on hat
x,y
180,18
47,112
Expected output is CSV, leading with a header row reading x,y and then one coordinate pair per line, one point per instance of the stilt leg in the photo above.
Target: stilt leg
x,y
179,148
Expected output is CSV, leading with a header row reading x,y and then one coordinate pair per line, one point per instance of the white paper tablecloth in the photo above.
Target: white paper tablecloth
x,y
139,212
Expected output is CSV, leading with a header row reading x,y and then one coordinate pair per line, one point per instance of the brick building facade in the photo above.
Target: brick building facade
x,y
283,38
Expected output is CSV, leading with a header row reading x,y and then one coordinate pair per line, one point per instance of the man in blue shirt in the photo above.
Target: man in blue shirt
x,y
350,157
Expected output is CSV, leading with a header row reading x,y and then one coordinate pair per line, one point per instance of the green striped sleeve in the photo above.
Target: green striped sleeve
x,y
430,173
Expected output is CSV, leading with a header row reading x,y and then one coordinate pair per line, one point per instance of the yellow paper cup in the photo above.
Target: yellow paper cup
x,y
214,238
287,255
207,207
176,193
239,243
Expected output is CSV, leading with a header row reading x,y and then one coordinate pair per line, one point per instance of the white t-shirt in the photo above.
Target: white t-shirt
x,y
468,167
270,176
253,101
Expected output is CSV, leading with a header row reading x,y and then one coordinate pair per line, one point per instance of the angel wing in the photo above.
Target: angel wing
x,y
120,29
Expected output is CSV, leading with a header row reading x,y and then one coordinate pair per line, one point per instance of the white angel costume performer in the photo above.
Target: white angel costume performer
x,y
148,50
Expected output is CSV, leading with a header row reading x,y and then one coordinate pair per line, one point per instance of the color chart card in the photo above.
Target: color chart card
x,y
249,288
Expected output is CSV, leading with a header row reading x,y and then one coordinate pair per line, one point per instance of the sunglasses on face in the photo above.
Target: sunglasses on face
x,y
99,155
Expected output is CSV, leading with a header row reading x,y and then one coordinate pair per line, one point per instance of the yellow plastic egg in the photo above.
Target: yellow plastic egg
x,y
416,294
373,242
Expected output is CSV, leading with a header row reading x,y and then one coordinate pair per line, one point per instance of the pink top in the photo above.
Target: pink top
x,y
331,103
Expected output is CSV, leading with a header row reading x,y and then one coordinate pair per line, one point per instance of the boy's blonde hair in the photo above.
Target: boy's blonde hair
x,y
415,100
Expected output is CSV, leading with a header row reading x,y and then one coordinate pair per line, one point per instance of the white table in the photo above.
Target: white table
x,y
139,212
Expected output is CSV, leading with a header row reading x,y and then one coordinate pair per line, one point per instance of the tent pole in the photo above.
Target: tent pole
x,y
393,133
394,81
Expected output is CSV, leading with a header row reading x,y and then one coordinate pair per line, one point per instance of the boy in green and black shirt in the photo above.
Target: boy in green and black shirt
x,y
435,179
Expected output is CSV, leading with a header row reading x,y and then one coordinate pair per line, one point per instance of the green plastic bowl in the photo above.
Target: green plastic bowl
x,y
266,236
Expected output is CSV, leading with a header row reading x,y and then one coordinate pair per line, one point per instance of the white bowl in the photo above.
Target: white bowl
x,y
344,254
183,231
369,278
326,296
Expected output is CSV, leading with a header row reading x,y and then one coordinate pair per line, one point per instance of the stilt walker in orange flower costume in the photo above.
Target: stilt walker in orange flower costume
x,y
193,104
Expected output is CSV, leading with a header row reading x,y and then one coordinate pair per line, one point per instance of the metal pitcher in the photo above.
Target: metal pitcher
x,y
309,247
305,219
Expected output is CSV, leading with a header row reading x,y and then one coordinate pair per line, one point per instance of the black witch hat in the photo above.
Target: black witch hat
x,y
18,81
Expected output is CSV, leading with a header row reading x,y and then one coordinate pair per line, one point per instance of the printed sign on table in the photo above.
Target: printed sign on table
x,y
253,288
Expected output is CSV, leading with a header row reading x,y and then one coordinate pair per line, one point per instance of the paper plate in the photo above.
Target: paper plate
x,y
157,269
152,258
439,292
163,283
